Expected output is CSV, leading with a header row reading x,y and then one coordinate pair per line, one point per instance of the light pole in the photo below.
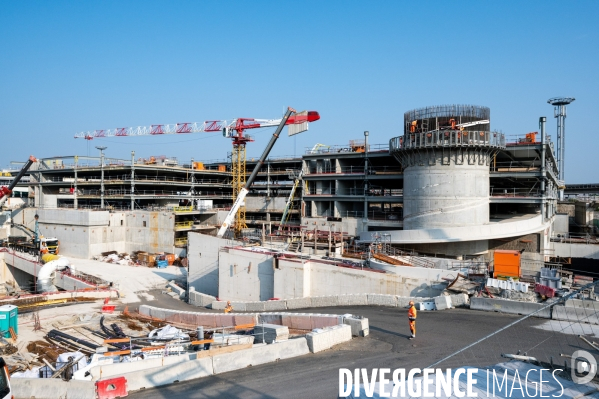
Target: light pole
x,y
366,186
102,176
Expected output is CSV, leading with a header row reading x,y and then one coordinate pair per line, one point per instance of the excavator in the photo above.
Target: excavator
x,y
6,191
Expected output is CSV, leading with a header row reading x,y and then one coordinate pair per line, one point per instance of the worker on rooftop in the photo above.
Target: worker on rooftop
x,y
229,307
412,319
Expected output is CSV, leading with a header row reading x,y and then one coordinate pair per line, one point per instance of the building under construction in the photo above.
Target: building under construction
x,y
449,185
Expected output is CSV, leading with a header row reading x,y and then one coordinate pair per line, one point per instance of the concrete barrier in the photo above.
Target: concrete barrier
x,y
359,326
219,305
199,299
583,304
443,302
255,306
176,289
298,303
238,306
323,301
460,300
163,375
260,354
352,300
577,315
52,388
382,300
327,338
505,306
270,306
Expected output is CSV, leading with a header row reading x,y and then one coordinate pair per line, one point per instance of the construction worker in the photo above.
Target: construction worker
x,y
412,319
229,307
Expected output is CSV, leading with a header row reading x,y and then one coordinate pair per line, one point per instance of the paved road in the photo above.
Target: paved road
x,y
439,334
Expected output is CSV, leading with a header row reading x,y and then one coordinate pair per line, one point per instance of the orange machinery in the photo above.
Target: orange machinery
x,y
506,264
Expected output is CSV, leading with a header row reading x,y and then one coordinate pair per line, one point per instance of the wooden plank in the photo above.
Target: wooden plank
x,y
245,326
203,341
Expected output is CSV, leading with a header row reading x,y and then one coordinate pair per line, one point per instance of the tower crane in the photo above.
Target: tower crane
x,y
235,130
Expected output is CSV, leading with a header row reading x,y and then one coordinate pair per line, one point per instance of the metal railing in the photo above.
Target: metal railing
x,y
184,225
515,192
374,192
358,170
335,149
447,138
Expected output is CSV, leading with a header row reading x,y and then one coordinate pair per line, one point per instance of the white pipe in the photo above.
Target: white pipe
x,y
45,281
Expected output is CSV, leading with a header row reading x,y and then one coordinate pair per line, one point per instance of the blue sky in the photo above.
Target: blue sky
x,y
77,66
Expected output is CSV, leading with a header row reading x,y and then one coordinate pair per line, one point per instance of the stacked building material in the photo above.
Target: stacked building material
x,y
270,333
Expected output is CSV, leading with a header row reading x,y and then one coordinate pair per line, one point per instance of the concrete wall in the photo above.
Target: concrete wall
x,y
437,196
567,208
245,275
84,233
561,223
203,262
568,250
266,204
294,278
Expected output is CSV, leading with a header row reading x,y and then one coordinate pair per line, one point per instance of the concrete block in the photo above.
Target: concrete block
x,y
224,320
163,375
255,306
382,300
460,300
219,305
270,318
327,338
403,302
324,320
240,319
583,304
269,333
298,303
428,305
238,306
323,301
505,306
359,326
576,315
443,302
270,306
260,355
300,321
178,290
199,299
52,388
352,300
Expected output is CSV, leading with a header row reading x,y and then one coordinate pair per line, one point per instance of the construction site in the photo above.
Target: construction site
x,y
122,277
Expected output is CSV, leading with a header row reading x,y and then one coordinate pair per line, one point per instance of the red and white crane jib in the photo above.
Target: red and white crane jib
x,y
174,128
238,125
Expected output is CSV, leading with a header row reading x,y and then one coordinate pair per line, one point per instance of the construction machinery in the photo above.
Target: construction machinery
x,y
37,243
6,191
237,205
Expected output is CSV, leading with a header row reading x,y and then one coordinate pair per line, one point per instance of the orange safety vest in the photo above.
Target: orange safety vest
x,y
412,312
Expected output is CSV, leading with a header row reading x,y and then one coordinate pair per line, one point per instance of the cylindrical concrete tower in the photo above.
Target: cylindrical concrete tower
x,y
445,152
